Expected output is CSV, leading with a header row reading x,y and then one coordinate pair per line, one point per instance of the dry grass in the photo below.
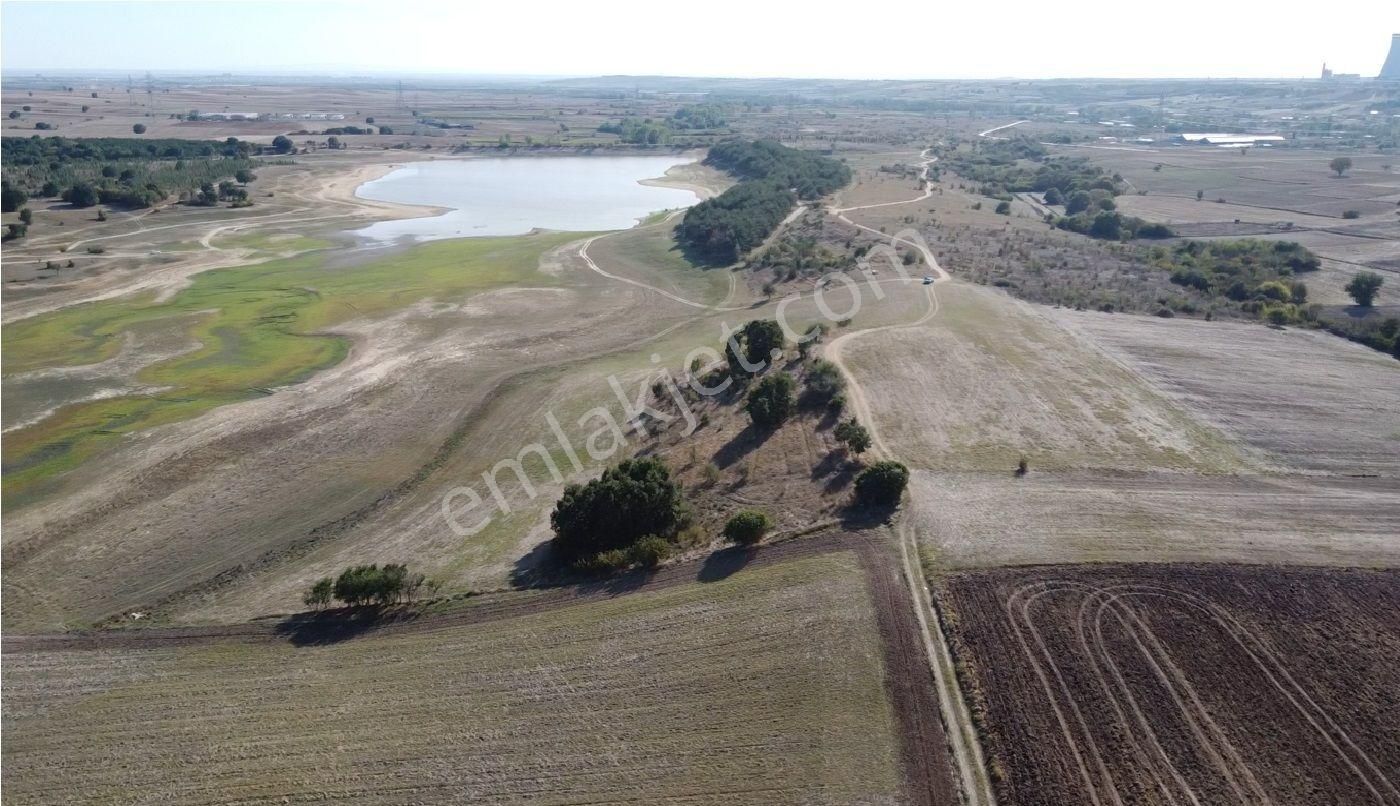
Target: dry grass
x,y
763,688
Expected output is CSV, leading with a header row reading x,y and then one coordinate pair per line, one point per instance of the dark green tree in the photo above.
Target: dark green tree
x,y
771,402
81,194
320,593
282,144
1340,164
631,500
882,484
854,436
1363,287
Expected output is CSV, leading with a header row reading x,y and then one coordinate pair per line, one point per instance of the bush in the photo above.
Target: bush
x,y
1003,208
757,340
650,551
12,198
139,128
882,484
631,500
81,194
1351,214
1052,196
823,382
772,402
747,527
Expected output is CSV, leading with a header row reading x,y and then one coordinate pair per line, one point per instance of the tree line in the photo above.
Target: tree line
x,y
775,178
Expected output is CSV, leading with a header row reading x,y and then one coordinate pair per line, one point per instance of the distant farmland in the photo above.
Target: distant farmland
x,y
1175,685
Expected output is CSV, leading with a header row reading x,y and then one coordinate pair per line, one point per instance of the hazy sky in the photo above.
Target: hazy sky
x,y
863,39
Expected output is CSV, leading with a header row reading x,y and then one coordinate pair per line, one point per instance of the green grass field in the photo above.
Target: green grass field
x,y
259,326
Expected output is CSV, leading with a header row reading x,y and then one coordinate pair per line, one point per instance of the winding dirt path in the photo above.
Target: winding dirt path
x,y
961,732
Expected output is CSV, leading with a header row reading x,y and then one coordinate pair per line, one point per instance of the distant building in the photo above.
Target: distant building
x,y
1391,70
1221,139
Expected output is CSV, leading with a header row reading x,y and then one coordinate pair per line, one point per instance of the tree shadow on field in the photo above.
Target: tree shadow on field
x,y
536,567
333,626
838,470
542,567
740,445
725,563
856,517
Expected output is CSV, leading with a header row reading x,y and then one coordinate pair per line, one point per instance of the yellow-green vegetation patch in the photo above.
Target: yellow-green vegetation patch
x,y
260,326
280,242
765,687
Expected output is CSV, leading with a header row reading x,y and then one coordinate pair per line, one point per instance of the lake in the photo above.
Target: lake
x,y
513,195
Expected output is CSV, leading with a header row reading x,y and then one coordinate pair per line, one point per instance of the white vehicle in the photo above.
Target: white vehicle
x,y
928,279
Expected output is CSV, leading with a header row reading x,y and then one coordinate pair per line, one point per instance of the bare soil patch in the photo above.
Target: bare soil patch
x,y
1162,684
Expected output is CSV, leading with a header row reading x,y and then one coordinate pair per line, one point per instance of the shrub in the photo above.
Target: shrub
x,y
1052,196
1003,208
139,128
81,194
650,551
1351,214
823,382
631,500
772,402
12,198
747,527
882,484
757,342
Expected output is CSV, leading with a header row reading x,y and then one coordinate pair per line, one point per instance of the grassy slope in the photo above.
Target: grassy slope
x,y
259,326
765,687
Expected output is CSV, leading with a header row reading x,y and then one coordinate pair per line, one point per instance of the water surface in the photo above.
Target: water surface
x,y
513,195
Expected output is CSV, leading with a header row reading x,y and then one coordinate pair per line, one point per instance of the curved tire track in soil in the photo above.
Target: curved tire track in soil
x,y
1229,761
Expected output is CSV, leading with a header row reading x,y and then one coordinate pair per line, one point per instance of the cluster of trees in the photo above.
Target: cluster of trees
x,y
1021,165
699,116
366,584
772,400
1242,271
630,514
119,172
642,131
792,257
721,229
808,174
1109,225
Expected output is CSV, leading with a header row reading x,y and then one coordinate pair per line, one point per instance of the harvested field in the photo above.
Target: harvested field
x,y
1188,684
1307,399
709,684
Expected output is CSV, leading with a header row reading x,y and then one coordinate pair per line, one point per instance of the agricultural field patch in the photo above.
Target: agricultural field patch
x,y
764,686
1182,684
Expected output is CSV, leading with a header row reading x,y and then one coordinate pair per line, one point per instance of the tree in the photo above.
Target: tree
x,y
1200,194
1053,196
244,176
772,402
1363,287
320,593
283,144
14,114
747,527
811,339
1107,226
854,436
26,216
1340,164
369,121
1003,208
81,194
823,382
138,128
50,189
756,341
386,130
882,484
12,198
13,231
366,584
631,500
1078,202
333,142
1351,214
1298,293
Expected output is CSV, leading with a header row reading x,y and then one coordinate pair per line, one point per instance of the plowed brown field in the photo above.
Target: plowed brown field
x,y
1185,684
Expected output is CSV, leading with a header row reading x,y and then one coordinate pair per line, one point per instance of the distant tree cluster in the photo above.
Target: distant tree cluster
x,y
366,584
1109,225
121,172
1022,165
699,116
640,131
808,174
